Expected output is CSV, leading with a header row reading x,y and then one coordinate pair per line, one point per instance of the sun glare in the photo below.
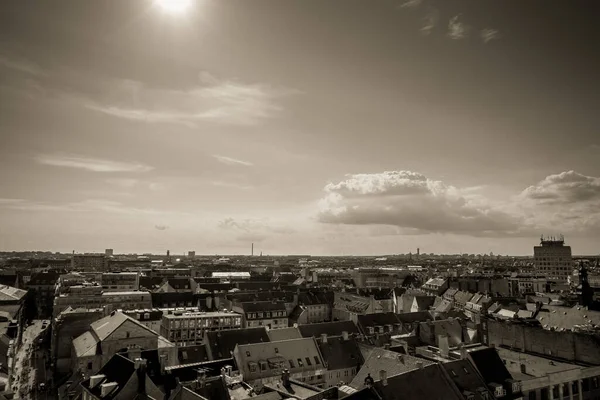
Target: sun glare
x,y
174,6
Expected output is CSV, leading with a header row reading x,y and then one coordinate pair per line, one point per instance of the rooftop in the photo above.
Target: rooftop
x,y
200,314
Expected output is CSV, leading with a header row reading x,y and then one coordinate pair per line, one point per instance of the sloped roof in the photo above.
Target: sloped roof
x,y
223,342
392,362
284,334
262,306
490,365
85,344
340,353
118,369
334,328
465,376
104,327
9,293
377,319
418,316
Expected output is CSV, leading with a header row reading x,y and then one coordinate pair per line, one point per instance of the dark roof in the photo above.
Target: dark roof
x,y
340,353
330,328
179,283
490,365
312,298
213,388
189,372
118,369
261,306
378,294
466,377
377,319
258,285
150,282
192,354
222,343
43,278
394,363
418,316
426,383
216,287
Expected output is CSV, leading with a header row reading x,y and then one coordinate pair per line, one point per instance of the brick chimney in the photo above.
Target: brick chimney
x,y
383,377
285,378
345,335
140,370
324,338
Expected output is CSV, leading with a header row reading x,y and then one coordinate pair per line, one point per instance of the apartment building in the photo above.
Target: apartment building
x,y
553,259
187,328
119,281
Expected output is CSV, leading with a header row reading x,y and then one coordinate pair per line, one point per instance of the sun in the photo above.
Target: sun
x,y
174,6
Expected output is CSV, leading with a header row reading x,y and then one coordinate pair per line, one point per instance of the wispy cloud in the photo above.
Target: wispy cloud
x,y
457,29
411,4
91,164
231,185
489,34
212,100
161,227
21,65
430,21
232,161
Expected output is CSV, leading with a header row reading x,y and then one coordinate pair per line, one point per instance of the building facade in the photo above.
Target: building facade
x,y
188,328
553,259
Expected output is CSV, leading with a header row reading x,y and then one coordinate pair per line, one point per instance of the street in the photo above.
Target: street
x,y
30,367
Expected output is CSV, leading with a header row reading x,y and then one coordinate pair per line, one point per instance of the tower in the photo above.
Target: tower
x,y
553,259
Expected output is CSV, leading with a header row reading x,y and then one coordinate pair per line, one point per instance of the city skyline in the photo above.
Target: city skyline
x,y
309,127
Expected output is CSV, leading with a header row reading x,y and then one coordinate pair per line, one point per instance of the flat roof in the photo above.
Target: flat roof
x,y
535,366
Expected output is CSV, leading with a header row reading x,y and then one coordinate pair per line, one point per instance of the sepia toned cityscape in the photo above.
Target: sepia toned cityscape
x,y
299,200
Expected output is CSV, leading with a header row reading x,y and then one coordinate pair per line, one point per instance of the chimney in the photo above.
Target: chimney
x,y
383,377
401,358
345,335
324,338
285,378
107,388
201,378
419,364
162,359
140,369
95,380
463,351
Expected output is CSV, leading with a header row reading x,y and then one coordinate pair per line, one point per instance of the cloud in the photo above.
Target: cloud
x,y
457,29
489,34
212,100
415,204
411,4
125,183
161,227
566,188
21,65
253,230
91,164
232,161
410,200
231,185
430,21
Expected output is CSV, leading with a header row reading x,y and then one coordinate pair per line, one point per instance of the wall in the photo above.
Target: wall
x,y
570,346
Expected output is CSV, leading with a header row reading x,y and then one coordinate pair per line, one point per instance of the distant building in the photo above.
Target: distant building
x,y
553,259
270,314
191,254
108,252
188,328
88,262
119,281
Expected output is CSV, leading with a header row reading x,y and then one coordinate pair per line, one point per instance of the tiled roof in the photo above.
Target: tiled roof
x,y
222,343
466,377
85,344
340,353
9,293
380,359
284,334
259,306
490,365
118,369
329,328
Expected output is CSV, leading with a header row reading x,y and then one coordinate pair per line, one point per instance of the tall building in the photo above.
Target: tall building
x,y
191,254
553,259
108,252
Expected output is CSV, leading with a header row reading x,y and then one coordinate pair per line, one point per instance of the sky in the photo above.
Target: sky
x,y
316,127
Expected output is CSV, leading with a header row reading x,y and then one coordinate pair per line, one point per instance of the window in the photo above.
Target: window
x,y
127,335
346,373
466,370
247,354
300,363
292,364
308,361
276,350
317,361
90,365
